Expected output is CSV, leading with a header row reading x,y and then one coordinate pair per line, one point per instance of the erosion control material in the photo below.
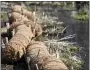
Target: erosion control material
x,y
27,17
16,16
25,12
38,54
36,28
16,46
25,30
23,44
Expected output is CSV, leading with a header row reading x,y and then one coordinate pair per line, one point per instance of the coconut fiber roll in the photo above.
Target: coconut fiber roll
x,y
16,47
38,54
36,28
17,16
25,12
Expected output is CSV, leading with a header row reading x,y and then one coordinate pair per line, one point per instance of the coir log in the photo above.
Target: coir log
x,y
37,51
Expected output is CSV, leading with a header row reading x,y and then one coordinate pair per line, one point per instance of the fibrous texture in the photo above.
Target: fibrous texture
x,y
36,28
16,46
27,17
25,30
16,16
25,12
38,53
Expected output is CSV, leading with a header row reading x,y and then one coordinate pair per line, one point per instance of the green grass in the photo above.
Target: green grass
x,y
67,53
81,16
3,16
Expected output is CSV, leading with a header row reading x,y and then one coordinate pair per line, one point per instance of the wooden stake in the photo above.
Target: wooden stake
x,y
6,38
7,25
36,66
